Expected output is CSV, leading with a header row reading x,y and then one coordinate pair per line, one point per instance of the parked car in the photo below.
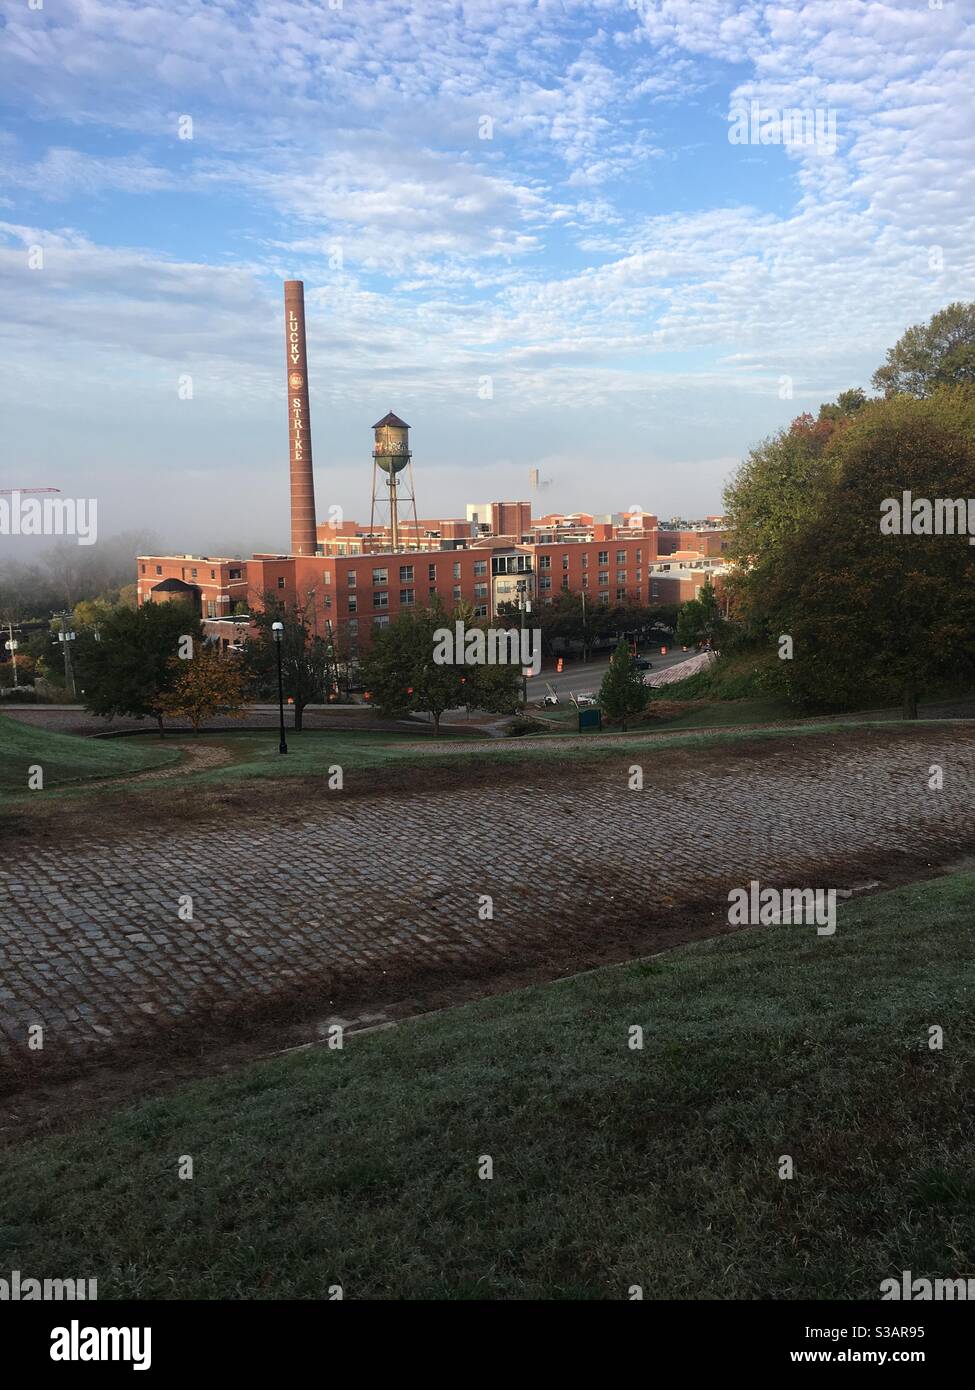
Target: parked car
x,y
642,664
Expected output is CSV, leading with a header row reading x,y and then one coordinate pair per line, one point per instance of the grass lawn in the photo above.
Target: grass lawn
x,y
255,756
727,714
67,758
612,1167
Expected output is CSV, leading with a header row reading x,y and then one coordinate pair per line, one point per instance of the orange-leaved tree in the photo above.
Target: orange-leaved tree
x,y
205,684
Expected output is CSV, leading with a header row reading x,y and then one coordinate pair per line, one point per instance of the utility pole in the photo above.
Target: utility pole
x,y
66,636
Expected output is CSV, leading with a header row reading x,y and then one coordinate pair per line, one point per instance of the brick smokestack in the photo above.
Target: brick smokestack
x,y
303,524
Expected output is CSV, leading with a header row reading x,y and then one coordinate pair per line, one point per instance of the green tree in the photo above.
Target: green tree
x,y
622,692
307,669
940,352
874,616
402,675
126,669
700,620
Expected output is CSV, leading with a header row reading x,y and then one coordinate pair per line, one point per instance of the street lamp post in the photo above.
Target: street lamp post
x,y
277,630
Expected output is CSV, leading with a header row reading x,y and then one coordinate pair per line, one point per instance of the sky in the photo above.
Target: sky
x,y
530,227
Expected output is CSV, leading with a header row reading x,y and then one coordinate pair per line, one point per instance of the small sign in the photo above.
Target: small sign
x,y
11,646
590,719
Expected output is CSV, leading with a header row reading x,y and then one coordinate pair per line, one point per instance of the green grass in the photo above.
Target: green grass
x,y
66,758
314,752
612,1167
737,676
730,714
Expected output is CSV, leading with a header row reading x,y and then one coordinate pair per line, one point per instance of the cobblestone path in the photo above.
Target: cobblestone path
x,y
366,895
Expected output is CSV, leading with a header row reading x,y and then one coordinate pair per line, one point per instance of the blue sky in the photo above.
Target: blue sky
x,y
640,293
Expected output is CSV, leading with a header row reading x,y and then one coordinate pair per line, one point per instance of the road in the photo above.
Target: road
x,y
579,679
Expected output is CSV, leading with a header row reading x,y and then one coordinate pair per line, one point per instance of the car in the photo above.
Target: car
x,y
585,699
642,664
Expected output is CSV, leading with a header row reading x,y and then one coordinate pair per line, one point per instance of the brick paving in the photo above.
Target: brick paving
x,y
373,889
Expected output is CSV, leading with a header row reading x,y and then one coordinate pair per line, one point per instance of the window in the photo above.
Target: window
x,y
407,596
234,574
604,598
480,591
350,579
142,569
328,601
603,578
565,582
481,611
432,573
159,569
433,591
326,576
639,576
380,576
211,608
406,574
213,574
353,603
604,557
620,593
457,593
545,582
639,555
585,562
381,599
585,581
456,569
480,567
380,622
565,562
544,562
280,581
621,557
193,573
621,576
353,627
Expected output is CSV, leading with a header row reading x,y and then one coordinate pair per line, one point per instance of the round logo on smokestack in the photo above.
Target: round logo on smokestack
x,y
296,381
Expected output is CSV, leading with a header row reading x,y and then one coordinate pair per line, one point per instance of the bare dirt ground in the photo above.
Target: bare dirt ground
x,y
310,906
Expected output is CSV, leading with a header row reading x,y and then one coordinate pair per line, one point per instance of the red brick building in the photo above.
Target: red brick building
x,y
352,588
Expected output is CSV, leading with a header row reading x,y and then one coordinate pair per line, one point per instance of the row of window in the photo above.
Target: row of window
x,y
232,574
407,575
622,558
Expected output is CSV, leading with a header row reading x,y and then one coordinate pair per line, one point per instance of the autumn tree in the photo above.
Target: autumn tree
x,y
205,684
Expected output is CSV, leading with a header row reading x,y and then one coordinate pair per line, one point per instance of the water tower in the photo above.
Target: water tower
x,y
391,458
